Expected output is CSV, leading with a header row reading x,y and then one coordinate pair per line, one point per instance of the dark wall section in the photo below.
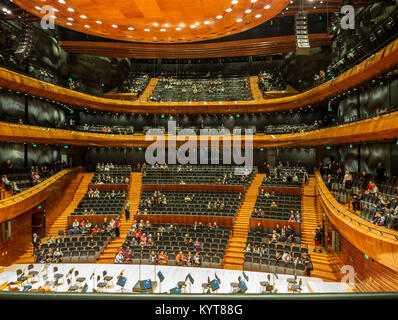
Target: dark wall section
x,y
11,105
14,152
306,156
43,155
44,113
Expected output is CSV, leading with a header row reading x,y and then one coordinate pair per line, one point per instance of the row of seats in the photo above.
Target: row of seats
x,y
284,202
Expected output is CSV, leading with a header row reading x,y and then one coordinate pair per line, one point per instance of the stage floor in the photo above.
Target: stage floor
x,y
172,275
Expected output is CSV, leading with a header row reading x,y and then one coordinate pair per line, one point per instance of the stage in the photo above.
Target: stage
x,y
172,275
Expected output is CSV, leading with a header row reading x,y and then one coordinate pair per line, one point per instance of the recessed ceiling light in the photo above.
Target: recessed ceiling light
x,y
248,11
86,26
147,30
70,19
55,10
229,10
166,25
206,22
178,29
258,15
68,23
71,10
114,26
131,28
267,6
239,20
53,17
197,23
253,1
37,8
193,26
62,1
83,16
99,22
219,17
155,24
235,2
163,30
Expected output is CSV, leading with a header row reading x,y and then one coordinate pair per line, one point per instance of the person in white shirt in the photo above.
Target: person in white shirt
x,y
119,257
287,257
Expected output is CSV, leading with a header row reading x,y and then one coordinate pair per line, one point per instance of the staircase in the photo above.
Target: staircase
x,y
234,255
311,216
133,198
152,84
255,90
61,222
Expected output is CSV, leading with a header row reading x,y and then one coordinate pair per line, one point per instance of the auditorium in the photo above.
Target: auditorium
x,y
180,149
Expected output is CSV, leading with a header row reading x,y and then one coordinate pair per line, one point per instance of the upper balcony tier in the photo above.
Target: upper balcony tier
x,y
378,63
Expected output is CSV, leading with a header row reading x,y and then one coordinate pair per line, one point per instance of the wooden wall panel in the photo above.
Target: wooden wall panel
x,y
378,63
372,274
270,224
379,243
179,187
21,238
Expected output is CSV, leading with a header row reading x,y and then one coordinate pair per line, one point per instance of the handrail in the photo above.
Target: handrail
x,y
15,198
356,219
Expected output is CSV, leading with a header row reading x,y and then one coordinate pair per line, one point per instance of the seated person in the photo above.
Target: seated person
x,y
58,256
248,248
197,261
287,257
180,259
153,258
292,218
189,260
119,257
128,257
274,237
162,259
51,240
49,256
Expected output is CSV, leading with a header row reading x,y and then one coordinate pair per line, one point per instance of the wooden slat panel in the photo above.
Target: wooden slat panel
x,y
183,219
192,187
367,237
260,46
26,200
378,63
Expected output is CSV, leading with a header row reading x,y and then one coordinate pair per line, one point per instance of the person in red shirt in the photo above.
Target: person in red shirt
x,y
137,235
96,229
117,228
180,259
162,259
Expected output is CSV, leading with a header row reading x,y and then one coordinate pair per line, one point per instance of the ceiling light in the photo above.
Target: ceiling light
x,y
239,20
37,8
163,30
267,6
197,23
182,25
99,22
114,26
83,16
131,28
248,11
228,10
193,26
70,19
71,10
258,15
253,1
206,22
53,17
235,2
219,17
166,25
86,26
155,24
61,1
147,30
68,23
178,29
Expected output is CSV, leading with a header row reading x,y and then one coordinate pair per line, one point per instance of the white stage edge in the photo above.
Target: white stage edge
x,y
172,275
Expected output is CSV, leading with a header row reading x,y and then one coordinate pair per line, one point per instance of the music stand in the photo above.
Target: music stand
x,y
161,278
175,290
121,282
214,285
191,282
242,286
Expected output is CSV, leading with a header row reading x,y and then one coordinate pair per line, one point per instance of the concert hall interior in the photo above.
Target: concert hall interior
x,y
205,147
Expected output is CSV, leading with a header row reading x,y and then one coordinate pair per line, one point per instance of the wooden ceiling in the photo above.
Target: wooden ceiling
x,y
192,50
166,21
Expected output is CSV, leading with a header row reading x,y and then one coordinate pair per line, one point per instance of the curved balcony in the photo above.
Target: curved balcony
x,y
26,200
374,129
376,64
379,243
